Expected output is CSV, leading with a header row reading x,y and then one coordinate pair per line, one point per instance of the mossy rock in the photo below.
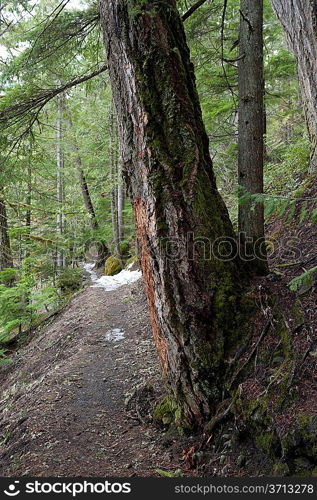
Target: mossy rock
x,y
164,412
112,266
254,413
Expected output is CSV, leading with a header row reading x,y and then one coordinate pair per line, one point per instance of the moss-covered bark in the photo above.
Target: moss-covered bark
x,y
169,176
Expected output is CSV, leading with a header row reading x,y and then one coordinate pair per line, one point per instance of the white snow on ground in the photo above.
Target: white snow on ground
x,y
112,282
115,335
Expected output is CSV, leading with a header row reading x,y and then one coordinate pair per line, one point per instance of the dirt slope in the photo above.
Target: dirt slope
x,y
62,406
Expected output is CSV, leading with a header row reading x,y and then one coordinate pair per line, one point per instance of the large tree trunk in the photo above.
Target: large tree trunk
x,y
251,131
299,20
169,177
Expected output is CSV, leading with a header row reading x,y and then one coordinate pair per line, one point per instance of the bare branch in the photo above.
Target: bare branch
x,y
193,9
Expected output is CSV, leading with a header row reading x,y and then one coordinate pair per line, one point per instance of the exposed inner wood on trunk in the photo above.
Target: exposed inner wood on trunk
x,y
143,235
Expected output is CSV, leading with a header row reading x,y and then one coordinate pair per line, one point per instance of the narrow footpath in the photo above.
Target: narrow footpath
x,y
63,399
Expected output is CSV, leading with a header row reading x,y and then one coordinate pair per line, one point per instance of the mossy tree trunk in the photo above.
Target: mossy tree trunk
x,y
251,132
299,21
178,210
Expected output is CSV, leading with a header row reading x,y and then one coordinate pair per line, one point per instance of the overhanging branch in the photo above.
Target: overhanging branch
x,y
14,114
193,9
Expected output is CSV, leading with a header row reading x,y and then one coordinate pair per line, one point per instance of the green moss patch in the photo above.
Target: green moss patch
x,y
112,266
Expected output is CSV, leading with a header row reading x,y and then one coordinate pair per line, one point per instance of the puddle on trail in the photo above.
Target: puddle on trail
x,y
115,335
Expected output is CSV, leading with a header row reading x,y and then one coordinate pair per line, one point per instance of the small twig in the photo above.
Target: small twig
x,y
288,264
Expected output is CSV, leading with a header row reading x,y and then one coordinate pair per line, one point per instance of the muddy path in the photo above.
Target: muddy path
x,y
62,400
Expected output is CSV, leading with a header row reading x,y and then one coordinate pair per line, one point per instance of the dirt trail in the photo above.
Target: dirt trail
x,y
62,410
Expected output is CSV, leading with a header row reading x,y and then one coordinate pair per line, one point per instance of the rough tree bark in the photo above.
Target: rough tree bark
x,y
251,131
299,21
169,178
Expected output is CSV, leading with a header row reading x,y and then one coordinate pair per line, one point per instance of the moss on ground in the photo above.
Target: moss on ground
x,y
168,412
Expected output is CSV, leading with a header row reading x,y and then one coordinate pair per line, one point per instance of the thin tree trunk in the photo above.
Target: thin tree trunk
x,y
113,154
120,204
251,132
299,21
169,177
82,179
103,251
86,194
29,197
28,214
60,179
6,259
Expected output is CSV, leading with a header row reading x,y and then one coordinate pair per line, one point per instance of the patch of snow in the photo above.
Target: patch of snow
x,y
90,269
108,283
115,335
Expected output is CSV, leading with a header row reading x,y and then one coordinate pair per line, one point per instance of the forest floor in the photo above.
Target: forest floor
x,y
62,399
